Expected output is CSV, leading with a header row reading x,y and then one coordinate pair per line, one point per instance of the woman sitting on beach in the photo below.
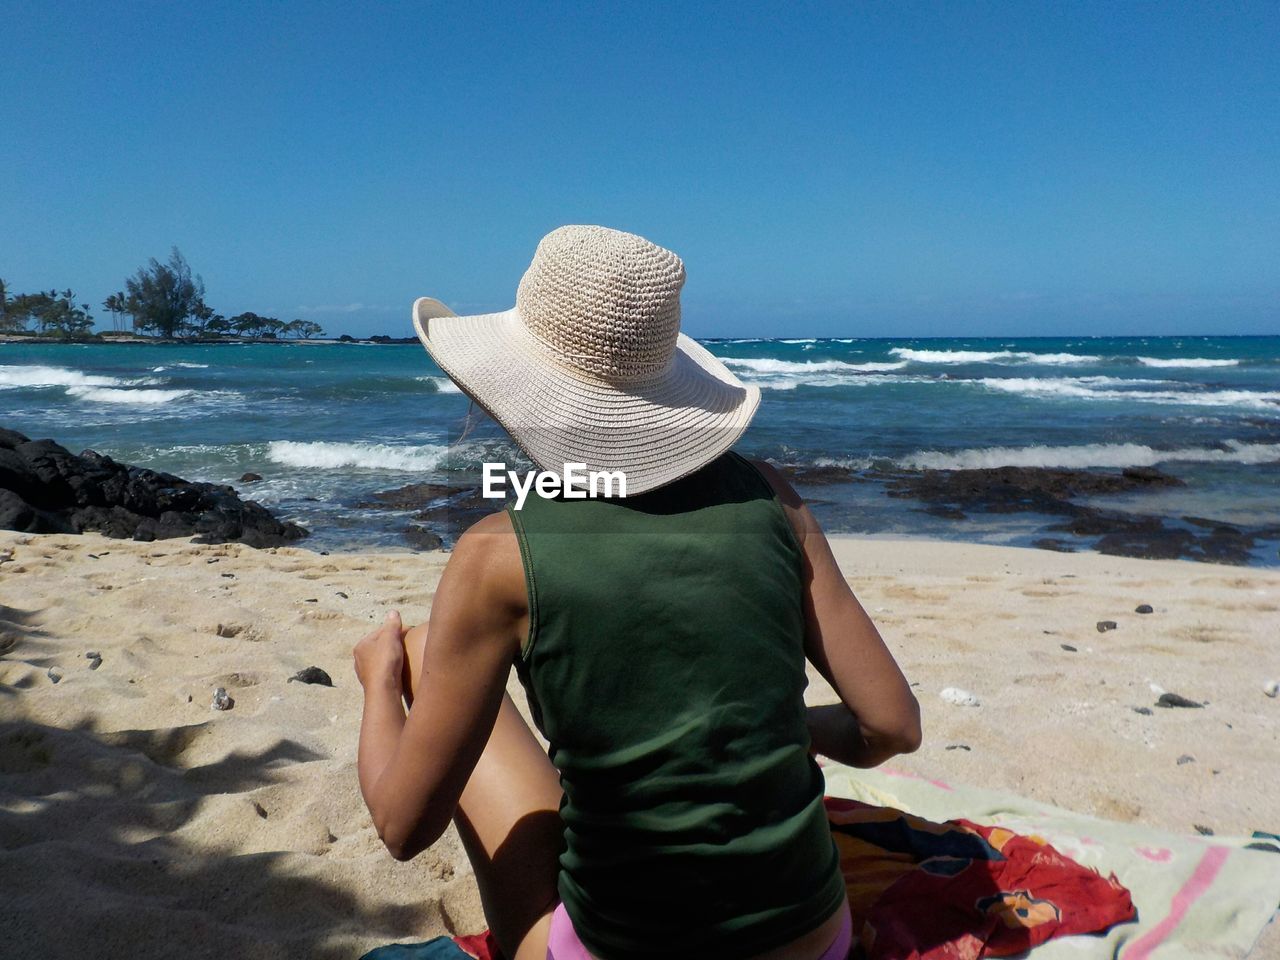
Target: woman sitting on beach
x,y
661,639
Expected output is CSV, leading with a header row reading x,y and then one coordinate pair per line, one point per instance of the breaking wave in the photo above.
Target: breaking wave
x,y
990,356
442,384
1098,388
22,375
770,366
1090,455
1193,362
371,456
118,395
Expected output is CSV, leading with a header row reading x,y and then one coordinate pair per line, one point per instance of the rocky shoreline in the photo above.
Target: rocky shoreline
x,y
44,488
1052,492
441,511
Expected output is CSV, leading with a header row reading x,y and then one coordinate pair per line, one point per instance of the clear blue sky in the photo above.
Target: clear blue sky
x,y
824,169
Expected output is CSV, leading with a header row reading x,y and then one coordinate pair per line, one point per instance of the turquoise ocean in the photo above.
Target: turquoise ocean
x,y
326,424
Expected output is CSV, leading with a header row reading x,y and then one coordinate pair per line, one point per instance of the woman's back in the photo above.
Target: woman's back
x,y
665,665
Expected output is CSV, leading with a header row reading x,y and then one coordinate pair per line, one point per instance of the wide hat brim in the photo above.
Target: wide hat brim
x,y
655,431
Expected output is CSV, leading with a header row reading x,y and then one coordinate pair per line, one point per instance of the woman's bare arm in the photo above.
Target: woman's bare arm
x,y
413,769
878,716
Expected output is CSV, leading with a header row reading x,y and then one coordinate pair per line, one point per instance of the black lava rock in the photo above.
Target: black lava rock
x,y
312,675
420,538
251,478
1105,625
1143,608
44,488
1176,700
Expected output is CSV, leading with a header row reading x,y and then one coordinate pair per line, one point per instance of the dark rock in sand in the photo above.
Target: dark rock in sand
x,y
1186,758
1068,647
1145,711
44,488
312,675
17,514
222,700
1202,830
1176,700
420,538
1105,625
54,674
1143,608
1050,543
251,478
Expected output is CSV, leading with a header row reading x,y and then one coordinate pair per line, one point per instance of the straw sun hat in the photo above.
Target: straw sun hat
x,y
590,366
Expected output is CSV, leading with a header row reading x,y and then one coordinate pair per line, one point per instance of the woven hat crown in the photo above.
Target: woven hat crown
x,y
606,302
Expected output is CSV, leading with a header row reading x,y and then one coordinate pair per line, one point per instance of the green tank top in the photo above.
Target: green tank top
x,y
665,666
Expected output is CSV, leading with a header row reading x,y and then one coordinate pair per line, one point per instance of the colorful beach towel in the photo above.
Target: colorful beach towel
x,y
928,890
1196,896
955,890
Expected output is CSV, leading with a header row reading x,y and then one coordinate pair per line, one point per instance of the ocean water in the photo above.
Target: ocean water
x,y
327,424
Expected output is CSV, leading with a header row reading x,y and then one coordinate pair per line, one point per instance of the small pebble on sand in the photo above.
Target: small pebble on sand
x,y
1143,608
54,674
1203,830
1145,711
222,700
1186,758
1105,625
1176,700
312,675
1067,647
958,697
1271,688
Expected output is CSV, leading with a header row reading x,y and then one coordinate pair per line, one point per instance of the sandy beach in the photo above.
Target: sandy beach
x,y
136,821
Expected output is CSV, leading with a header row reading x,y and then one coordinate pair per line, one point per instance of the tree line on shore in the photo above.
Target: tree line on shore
x,y
162,299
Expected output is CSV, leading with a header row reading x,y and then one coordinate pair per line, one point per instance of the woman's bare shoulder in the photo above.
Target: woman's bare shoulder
x,y
489,552
793,506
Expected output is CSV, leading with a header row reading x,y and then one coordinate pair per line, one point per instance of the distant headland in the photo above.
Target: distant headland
x,y
161,303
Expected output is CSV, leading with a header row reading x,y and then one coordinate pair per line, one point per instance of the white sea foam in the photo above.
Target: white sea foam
x,y
184,366
1186,362
442,384
767,365
1089,455
119,395
1095,388
800,340
372,456
37,376
991,356
834,380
